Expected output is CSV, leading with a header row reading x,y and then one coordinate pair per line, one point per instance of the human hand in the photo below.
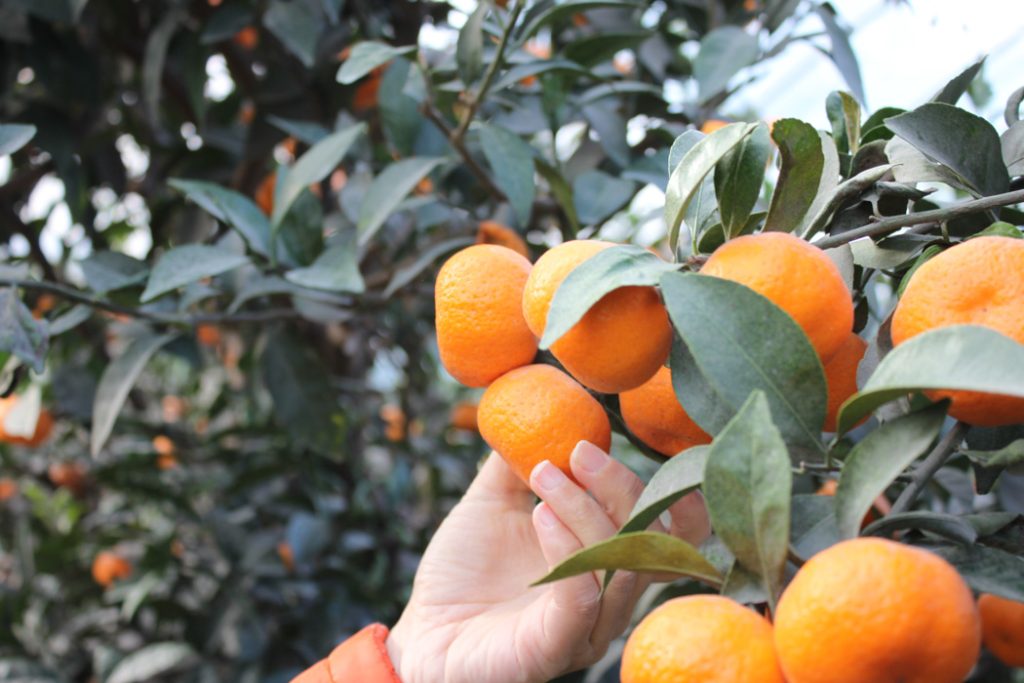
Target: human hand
x,y
473,617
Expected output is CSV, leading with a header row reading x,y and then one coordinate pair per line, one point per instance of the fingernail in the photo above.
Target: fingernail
x,y
589,457
546,516
547,476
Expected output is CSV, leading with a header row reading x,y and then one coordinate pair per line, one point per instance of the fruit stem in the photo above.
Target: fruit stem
x,y
923,474
892,223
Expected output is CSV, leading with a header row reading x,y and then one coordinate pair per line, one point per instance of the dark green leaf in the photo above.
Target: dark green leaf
x,y
388,190
812,524
14,136
271,284
115,383
335,270
562,192
640,551
844,114
1000,229
738,179
533,22
597,195
1012,112
939,523
821,212
960,357
747,484
1012,144
954,90
875,462
680,475
686,177
543,66
803,162
723,52
965,143
406,273
70,320
20,333
152,662
153,63
297,24
608,270
1011,455
600,47
910,166
511,159
605,120
184,265
842,53
233,208
741,342
308,132
367,56
469,50
744,586
988,570
619,89
874,127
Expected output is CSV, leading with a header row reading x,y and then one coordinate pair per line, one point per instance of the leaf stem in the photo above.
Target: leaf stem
x,y
923,474
892,223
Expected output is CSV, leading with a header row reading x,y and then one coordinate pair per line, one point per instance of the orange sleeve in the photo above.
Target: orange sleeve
x,y
363,658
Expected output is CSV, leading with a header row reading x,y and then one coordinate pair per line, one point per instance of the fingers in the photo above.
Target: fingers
x,y
613,484
496,480
690,520
583,515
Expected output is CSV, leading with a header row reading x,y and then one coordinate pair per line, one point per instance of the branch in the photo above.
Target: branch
x,y
78,296
935,460
887,225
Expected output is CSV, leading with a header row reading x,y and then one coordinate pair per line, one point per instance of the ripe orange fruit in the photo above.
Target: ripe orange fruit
x,y
706,638
876,610
44,304
44,426
481,333
1002,628
622,340
841,376
882,504
208,335
109,567
653,413
365,97
284,551
539,413
8,488
797,277
977,282
463,416
247,38
265,194
394,421
492,232
539,49
68,475
711,125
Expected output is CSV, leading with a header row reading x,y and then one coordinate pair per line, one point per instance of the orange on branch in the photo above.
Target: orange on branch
x,y
841,377
492,232
265,194
109,567
1002,628
653,413
463,416
247,38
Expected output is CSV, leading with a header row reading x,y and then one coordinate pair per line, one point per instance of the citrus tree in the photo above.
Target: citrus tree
x,y
227,430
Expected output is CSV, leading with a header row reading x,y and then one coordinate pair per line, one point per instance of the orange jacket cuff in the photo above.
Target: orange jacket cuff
x,y
363,658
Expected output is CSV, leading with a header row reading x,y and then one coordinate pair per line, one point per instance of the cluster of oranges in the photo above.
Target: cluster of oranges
x,y
863,610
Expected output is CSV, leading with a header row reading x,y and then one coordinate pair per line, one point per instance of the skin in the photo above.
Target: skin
x,y
473,616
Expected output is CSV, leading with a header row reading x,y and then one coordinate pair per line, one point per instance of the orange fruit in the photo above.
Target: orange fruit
x,y
481,333
797,277
653,413
622,340
463,416
248,38
208,335
8,488
109,567
876,610
841,377
365,97
881,504
44,304
394,421
68,475
705,638
492,232
540,50
284,551
424,186
44,426
1002,628
538,413
977,282
711,125
265,194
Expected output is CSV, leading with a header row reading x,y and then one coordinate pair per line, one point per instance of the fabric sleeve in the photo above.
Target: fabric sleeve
x,y
363,658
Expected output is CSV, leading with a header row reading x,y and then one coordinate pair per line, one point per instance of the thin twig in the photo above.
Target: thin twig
x,y
936,215
434,117
923,474
81,297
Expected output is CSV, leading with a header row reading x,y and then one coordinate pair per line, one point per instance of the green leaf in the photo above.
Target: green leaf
x,y
534,21
406,273
469,50
187,264
875,462
152,662
965,143
842,53
747,484
802,164
70,320
591,51
939,523
740,342
959,357
738,179
270,285
388,190
1010,455
536,68
680,475
640,551
511,160
812,524
367,56
911,166
686,177
619,266
115,383
309,132
14,136
153,61
20,333
562,192
988,570
315,165
1012,144
335,270
832,200
723,52
233,208
874,127
597,195
297,24
844,114
954,90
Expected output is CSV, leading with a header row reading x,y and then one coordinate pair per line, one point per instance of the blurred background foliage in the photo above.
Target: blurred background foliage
x,y
223,218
